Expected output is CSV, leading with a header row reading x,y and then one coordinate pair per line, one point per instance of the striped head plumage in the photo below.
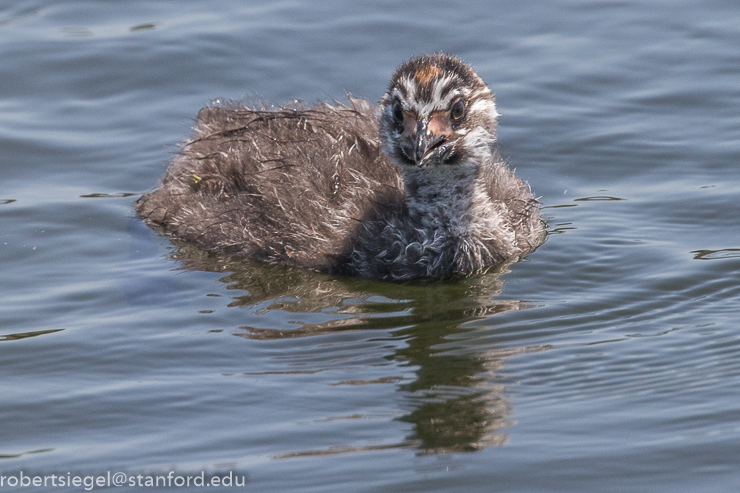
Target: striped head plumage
x,y
437,111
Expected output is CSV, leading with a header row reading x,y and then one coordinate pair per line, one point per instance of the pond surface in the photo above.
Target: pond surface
x,y
608,360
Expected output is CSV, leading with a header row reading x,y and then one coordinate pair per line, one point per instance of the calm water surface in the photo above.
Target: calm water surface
x,y
609,360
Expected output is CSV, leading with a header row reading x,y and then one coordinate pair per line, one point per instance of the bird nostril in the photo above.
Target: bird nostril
x,y
437,141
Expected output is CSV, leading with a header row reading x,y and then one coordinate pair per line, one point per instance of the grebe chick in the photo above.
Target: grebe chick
x,y
411,188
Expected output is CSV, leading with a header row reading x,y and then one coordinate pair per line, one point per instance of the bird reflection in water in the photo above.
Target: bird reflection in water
x,y
453,401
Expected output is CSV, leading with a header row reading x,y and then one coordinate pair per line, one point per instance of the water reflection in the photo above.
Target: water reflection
x,y
30,452
716,254
25,335
454,402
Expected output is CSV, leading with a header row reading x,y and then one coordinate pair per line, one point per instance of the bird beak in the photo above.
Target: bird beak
x,y
426,141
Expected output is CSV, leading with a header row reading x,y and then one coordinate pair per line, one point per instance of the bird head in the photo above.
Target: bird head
x,y
437,111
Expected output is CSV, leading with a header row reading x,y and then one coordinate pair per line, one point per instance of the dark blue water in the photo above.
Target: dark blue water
x,y
609,360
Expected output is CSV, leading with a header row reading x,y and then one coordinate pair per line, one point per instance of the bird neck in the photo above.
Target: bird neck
x,y
442,194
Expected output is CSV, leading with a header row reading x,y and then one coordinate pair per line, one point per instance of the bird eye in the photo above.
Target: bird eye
x,y
458,110
397,111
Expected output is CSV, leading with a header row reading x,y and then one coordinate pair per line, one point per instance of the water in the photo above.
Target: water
x,y
607,361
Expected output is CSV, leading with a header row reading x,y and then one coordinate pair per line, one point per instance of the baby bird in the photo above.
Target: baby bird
x,y
414,187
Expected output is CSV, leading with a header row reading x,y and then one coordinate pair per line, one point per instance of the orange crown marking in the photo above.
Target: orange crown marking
x,y
426,73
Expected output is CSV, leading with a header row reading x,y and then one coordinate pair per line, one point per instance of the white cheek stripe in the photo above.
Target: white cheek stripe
x,y
484,90
485,106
